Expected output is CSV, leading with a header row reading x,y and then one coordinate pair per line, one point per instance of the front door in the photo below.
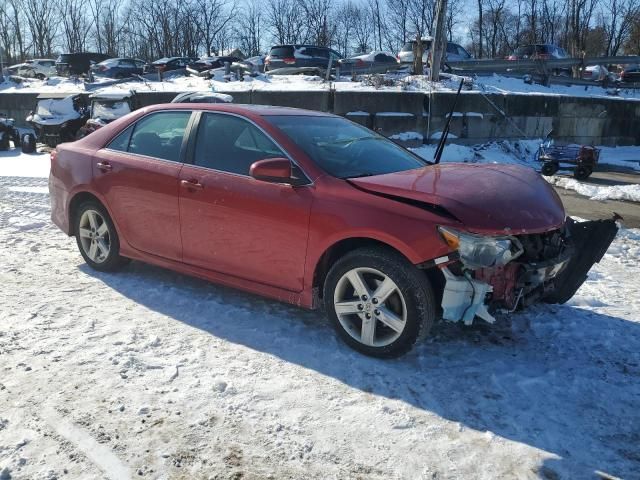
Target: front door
x,y
137,175
234,224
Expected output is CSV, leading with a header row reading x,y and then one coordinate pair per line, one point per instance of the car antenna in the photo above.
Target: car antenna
x,y
445,131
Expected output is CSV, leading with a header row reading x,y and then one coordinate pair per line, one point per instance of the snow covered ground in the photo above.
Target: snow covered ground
x,y
149,374
402,82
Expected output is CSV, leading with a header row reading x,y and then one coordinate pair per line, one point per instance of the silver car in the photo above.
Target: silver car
x,y
455,52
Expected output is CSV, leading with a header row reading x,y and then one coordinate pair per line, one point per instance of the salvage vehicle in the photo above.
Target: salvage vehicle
x,y
105,108
373,62
118,68
168,64
300,56
309,208
39,68
201,67
202,97
57,118
69,64
8,133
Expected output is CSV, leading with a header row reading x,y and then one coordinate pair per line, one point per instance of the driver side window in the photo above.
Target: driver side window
x,y
231,144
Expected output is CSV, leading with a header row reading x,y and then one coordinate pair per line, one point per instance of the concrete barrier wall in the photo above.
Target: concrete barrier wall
x,y
478,118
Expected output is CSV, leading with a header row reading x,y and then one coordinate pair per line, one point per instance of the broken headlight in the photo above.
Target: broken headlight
x,y
477,251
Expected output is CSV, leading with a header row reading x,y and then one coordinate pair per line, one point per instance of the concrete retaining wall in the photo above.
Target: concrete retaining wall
x,y
598,121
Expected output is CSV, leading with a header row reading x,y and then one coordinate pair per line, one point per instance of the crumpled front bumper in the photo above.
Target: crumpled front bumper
x,y
468,294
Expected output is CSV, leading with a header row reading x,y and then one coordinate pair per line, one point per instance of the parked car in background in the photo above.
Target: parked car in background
x,y
202,66
631,74
107,107
598,73
78,63
118,68
538,52
455,52
300,56
312,209
37,68
374,62
168,63
57,118
202,97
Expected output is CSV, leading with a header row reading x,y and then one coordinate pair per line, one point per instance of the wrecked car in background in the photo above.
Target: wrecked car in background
x,y
105,108
56,119
202,97
374,62
39,68
384,240
202,66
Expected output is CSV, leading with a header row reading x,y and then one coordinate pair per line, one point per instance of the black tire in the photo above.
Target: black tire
x,y
549,168
113,260
582,172
4,141
418,296
28,143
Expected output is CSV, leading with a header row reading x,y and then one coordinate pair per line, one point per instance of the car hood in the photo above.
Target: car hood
x,y
486,198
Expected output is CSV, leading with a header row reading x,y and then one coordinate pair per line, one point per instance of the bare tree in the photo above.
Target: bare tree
x,y
41,19
617,22
210,18
249,28
75,24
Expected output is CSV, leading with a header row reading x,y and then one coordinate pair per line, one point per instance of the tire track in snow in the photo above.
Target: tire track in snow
x,y
100,455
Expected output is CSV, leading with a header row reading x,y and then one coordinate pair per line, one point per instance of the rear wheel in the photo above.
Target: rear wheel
x,y
582,172
549,168
378,302
97,238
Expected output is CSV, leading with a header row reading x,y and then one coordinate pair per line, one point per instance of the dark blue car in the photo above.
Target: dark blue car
x,y
118,68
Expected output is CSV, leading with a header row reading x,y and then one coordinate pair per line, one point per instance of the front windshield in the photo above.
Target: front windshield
x,y
109,110
345,149
52,107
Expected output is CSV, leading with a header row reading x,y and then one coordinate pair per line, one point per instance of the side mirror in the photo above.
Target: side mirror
x,y
277,170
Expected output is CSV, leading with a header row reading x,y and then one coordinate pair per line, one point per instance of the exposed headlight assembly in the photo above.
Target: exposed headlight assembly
x,y
477,251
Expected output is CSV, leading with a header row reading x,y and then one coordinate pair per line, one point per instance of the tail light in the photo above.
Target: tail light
x,y
512,57
289,60
267,60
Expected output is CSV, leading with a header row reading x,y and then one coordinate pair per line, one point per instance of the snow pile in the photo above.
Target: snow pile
x,y
598,192
519,152
407,136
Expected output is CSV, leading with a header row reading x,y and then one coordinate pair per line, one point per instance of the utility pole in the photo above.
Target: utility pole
x,y
438,48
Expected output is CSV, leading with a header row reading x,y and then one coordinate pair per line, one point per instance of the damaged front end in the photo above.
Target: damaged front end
x,y
487,274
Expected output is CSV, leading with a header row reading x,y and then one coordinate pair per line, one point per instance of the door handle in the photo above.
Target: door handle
x,y
191,184
104,166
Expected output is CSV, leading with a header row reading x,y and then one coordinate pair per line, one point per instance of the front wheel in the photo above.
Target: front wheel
x,y
378,302
28,143
4,141
549,169
97,238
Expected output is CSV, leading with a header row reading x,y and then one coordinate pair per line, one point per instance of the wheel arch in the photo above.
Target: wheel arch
x,y
338,250
78,199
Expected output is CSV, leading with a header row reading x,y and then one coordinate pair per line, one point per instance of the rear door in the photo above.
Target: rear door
x,y
137,175
234,224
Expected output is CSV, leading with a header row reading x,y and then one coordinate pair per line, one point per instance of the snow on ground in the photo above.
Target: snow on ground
x,y
399,82
598,192
149,374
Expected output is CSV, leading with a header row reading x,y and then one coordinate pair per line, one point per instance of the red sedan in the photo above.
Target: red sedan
x,y
312,209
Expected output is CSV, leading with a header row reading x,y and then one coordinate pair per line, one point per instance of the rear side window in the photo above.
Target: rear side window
x,y
121,142
231,144
282,52
158,135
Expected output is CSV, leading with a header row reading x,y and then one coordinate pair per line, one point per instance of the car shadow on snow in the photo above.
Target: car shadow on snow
x,y
557,378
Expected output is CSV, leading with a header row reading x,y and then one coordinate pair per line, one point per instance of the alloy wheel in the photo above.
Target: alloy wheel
x,y
370,307
95,237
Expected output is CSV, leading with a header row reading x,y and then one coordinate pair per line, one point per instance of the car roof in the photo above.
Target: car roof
x,y
242,109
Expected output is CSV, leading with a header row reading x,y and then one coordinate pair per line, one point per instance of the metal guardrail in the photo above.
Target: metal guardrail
x,y
540,64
